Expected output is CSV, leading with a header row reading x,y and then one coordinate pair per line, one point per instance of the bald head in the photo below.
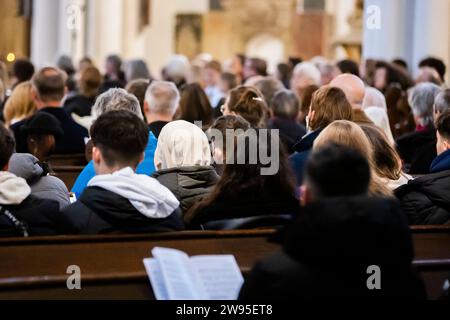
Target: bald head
x,y
353,87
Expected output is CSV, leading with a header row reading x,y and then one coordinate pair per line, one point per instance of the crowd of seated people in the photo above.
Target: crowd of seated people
x,y
187,151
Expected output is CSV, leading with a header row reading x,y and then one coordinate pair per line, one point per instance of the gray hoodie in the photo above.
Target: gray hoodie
x,y
43,186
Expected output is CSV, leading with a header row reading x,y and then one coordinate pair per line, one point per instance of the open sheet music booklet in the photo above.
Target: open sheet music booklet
x,y
175,276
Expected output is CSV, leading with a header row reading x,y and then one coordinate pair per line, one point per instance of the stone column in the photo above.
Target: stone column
x,y
432,31
392,38
44,32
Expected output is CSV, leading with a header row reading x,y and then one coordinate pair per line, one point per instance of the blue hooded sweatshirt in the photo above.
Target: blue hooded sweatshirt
x,y
146,167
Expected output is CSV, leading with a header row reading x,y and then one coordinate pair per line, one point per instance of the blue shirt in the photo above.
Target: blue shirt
x,y
146,167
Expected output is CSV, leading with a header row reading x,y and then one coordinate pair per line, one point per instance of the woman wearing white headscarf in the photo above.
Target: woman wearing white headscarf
x,y
183,160
374,98
381,119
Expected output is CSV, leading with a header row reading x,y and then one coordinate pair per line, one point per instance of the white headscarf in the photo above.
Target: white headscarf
x,y
182,144
374,98
381,119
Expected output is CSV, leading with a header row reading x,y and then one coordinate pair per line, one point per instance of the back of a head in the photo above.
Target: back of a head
x,y
182,144
114,100
121,136
329,104
442,102
285,105
421,100
353,88
177,69
115,61
268,87
195,105
136,69
65,63
248,102
335,170
162,97
90,82
50,84
436,64
7,146
443,125
348,134
309,72
20,104
348,66
259,66
138,88
23,70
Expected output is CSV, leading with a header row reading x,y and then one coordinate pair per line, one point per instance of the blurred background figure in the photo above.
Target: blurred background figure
x,y
20,104
136,69
88,85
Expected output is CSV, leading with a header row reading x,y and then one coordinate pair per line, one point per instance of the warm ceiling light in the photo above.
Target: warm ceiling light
x,y
11,57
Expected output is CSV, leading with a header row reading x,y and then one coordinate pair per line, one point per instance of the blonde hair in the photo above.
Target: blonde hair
x,y
20,104
349,134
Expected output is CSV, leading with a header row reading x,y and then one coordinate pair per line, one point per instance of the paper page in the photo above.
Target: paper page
x,y
220,276
177,274
156,279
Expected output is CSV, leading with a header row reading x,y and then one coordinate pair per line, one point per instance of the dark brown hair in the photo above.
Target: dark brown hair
x,y
239,178
90,82
195,105
443,125
248,102
121,137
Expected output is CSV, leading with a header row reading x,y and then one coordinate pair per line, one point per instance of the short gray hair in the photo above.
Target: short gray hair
x,y
114,100
285,105
422,99
162,97
309,71
442,102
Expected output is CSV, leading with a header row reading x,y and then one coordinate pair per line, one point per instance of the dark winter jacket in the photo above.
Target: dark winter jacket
x,y
302,150
80,105
230,212
418,150
290,132
99,211
38,217
188,184
328,251
426,200
123,202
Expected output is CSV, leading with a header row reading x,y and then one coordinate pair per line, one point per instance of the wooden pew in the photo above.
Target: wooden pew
x,y
68,174
68,160
112,266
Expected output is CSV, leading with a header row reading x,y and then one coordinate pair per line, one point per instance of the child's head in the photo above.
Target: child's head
x,y
443,132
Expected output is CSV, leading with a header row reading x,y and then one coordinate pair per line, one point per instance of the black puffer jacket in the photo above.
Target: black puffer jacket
x,y
327,253
99,211
188,184
426,200
41,218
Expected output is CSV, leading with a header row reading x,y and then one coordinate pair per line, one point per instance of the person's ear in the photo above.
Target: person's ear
x,y
34,94
146,107
305,196
96,155
142,157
